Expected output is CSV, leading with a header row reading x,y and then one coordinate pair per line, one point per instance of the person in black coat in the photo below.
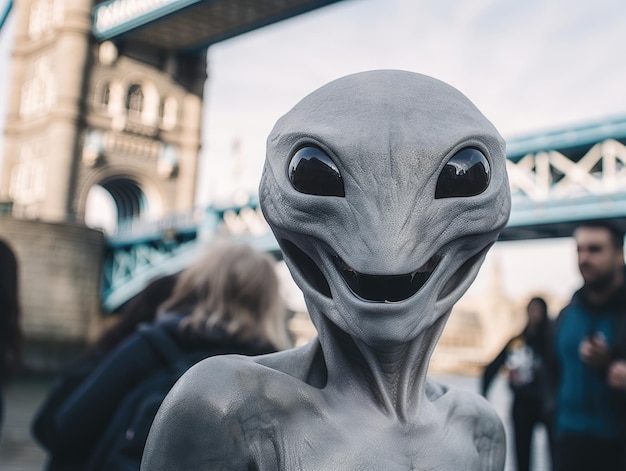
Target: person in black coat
x,y
524,357
10,332
227,302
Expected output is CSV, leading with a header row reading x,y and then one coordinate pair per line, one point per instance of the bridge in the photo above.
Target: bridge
x,y
107,95
183,25
557,178
129,103
565,176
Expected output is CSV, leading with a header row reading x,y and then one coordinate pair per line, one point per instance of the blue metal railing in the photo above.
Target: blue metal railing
x,y
143,250
572,136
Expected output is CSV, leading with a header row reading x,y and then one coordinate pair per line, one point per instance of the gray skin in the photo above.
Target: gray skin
x,y
358,396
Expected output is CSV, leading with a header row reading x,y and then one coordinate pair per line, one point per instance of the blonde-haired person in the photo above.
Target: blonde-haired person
x,y
235,288
227,302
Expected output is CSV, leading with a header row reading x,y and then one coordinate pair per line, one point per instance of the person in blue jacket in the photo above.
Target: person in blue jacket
x,y
589,347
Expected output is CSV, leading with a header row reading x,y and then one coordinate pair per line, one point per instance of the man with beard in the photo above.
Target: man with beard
x,y
590,357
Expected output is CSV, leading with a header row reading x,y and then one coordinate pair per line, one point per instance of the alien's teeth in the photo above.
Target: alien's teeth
x,y
386,288
430,265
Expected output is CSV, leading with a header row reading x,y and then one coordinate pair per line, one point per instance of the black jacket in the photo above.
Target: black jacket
x,y
70,428
534,385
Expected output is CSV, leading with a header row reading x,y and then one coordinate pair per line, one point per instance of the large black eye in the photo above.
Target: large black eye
x,y
467,173
312,172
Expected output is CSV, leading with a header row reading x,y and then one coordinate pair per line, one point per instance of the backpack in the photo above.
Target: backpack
x,y
43,428
122,444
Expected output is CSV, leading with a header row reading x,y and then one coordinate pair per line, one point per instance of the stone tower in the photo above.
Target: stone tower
x,y
122,117
125,117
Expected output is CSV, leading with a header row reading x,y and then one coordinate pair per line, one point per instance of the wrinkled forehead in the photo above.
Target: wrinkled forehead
x,y
383,111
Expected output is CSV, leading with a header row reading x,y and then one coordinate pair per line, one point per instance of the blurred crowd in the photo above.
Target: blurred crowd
x,y
98,412
569,374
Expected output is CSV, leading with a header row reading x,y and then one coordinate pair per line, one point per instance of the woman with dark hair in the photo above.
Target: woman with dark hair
x,y
10,333
138,310
524,358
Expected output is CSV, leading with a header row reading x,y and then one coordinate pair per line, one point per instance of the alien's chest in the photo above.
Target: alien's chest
x,y
334,439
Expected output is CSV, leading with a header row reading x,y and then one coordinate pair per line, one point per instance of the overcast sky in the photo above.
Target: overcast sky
x,y
529,66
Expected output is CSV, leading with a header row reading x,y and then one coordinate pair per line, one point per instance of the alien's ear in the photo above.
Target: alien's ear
x,y
467,173
313,172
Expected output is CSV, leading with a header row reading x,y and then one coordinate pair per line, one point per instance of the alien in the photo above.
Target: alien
x,y
385,190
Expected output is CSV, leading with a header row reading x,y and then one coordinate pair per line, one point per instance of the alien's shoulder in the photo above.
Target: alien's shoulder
x,y
210,398
219,378
465,411
226,382
462,405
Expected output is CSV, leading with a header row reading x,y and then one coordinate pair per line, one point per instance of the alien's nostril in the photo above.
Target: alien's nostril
x,y
386,288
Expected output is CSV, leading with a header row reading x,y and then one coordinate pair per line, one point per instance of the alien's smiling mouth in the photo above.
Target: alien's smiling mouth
x,y
386,288
372,288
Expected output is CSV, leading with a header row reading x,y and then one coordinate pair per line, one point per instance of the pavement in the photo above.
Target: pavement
x,y
19,452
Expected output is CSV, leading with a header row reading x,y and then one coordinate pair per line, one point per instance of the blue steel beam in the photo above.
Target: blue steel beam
x,y
191,25
116,17
567,138
130,263
591,207
546,212
551,219
5,13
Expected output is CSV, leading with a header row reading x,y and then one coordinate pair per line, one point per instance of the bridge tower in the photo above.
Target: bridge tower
x,y
104,95
81,114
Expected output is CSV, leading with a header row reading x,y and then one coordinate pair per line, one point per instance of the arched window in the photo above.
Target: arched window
x,y
44,15
105,96
161,109
27,185
168,112
102,97
135,101
38,93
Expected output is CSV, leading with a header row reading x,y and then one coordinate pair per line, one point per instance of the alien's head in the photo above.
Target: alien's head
x,y
385,190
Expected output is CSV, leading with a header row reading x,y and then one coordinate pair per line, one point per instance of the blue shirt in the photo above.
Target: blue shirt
x,y
584,405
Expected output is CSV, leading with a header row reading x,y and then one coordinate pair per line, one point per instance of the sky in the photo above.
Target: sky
x,y
529,66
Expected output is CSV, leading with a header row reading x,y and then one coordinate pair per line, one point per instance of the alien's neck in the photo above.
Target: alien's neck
x,y
393,376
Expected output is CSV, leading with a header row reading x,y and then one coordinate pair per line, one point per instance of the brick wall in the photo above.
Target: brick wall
x,y
60,270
